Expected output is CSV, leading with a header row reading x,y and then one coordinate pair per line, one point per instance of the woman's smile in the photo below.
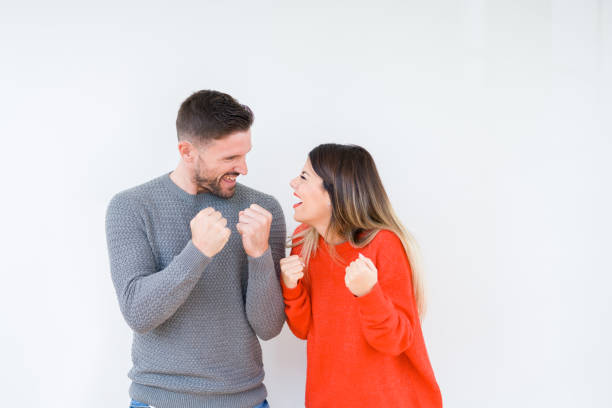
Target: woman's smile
x,y
298,203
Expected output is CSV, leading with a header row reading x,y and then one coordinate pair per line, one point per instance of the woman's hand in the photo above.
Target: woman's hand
x,y
292,270
361,276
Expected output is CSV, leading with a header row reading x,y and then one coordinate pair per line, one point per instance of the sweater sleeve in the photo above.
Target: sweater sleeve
x,y
388,312
297,309
264,299
147,296
297,303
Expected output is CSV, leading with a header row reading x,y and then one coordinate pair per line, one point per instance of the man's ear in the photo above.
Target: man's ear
x,y
187,151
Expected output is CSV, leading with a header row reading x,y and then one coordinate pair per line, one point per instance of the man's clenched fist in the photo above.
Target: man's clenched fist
x,y
292,270
361,276
209,232
254,227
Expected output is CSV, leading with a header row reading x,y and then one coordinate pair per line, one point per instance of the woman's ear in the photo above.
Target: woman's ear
x,y
328,200
328,188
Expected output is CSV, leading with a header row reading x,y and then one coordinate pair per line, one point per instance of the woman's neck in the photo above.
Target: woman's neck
x,y
330,237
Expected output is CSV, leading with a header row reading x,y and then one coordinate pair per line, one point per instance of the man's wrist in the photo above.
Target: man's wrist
x,y
258,254
201,249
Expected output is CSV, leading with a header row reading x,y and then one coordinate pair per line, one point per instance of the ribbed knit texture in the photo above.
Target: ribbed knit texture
x,y
195,319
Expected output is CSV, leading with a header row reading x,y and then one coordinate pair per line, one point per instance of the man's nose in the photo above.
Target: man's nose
x,y
242,167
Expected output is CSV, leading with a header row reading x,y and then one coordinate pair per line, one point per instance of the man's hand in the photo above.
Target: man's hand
x,y
209,232
361,276
292,270
254,227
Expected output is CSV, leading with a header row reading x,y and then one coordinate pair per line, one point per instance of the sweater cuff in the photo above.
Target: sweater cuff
x,y
374,303
192,258
293,293
261,263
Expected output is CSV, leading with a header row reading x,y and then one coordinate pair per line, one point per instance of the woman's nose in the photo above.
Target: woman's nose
x,y
293,183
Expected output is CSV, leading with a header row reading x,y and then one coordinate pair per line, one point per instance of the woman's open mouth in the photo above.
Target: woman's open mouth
x,y
299,203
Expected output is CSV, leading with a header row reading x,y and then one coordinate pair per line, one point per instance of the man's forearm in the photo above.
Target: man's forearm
x,y
264,300
148,299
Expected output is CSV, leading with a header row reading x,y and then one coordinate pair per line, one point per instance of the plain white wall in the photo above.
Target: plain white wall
x,y
489,120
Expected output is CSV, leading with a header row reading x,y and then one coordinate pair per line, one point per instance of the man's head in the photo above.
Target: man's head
x,y
214,137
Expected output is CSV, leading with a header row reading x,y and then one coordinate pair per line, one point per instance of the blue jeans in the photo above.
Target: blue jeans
x,y
136,404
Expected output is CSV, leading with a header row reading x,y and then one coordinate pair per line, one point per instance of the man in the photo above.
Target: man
x,y
194,258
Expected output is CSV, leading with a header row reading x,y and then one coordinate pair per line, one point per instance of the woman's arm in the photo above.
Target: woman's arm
x,y
295,294
388,312
297,309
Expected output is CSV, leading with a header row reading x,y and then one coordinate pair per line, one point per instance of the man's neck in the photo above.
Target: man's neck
x,y
181,176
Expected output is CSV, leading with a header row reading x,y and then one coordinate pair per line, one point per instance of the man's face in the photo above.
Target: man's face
x,y
219,163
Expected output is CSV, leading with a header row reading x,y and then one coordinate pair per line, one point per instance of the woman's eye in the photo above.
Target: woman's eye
x,y
302,177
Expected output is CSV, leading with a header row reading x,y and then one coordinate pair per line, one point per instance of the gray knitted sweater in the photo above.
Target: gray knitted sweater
x,y
195,319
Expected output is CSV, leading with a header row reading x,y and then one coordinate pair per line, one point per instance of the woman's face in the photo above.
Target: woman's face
x,y
314,206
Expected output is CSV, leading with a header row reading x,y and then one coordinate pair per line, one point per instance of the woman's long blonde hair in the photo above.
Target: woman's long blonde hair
x,y
360,207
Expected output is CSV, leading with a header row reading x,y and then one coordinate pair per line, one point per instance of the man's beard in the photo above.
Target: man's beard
x,y
213,185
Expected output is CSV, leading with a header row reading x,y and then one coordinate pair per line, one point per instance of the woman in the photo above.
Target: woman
x,y
352,288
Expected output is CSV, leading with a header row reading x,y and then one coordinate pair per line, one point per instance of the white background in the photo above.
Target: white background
x,y
490,122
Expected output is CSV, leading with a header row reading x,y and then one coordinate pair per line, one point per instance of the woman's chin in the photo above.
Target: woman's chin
x,y
297,217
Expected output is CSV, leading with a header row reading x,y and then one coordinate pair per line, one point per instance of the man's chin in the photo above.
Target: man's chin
x,y
217,190
225,193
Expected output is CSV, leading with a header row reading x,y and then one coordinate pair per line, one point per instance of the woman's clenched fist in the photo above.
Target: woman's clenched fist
x,y
292,270
361,276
